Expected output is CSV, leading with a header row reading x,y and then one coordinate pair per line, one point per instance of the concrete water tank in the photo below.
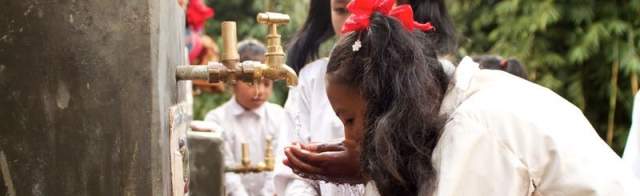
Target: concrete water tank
x,y
86,88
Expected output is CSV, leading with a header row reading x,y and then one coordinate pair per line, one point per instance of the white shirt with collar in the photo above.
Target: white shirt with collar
x,y
508,136
251,127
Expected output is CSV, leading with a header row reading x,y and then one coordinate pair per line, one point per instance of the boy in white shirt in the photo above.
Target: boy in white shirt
x,y
248,118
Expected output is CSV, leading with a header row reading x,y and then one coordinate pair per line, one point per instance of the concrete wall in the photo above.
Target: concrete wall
x,y
206,163
85,86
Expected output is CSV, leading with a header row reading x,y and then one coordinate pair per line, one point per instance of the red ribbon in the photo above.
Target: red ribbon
x,y
361,11
198,13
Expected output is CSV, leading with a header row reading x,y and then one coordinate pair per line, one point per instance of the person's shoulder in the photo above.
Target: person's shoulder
x,y
314,69
311,77
512,101
274,108
217,113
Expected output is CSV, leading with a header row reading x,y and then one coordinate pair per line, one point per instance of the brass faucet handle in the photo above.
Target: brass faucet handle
x,y
272,18
269,149
246,162
268,156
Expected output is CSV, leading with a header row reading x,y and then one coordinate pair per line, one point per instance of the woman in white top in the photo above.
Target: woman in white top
x,y
414,131
307,105
632,149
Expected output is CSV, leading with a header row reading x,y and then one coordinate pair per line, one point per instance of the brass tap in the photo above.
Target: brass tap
x,y
275,54
245,162
269,159
230,69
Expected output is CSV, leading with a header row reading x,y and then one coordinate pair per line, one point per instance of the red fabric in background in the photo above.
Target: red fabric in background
x,y
198,13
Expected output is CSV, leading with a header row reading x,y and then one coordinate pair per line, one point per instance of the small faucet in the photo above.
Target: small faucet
x,y
230,69
275,54
245,162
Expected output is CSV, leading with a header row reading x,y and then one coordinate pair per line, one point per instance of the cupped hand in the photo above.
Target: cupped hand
x,y
337,162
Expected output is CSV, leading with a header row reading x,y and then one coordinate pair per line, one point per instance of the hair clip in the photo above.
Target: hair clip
x,y
362,10
356,45
504,63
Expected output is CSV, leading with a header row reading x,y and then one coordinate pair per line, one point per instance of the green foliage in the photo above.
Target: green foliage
x,y
244,13
568,46
206,102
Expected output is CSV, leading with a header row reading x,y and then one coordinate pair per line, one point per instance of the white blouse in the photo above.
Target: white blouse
x,y
313,120
508,136
632,149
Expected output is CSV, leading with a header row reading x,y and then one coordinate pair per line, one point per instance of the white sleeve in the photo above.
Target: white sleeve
x,y
522,157
632,149
300,187
371,189
470,161
297,110
569,158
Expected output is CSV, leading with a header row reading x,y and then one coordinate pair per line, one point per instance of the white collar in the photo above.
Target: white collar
x,y
459,85
235,109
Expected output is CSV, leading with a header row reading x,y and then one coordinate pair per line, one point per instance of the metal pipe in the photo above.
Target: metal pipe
x,y
189,72
230,69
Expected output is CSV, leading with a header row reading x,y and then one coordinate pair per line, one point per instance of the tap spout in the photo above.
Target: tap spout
x,y
289,75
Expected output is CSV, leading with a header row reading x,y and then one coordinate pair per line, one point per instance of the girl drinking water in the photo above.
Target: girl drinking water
x,y
412,130
307,105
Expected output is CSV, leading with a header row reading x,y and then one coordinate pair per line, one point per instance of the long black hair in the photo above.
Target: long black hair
x,y
317,29
435,11
403,84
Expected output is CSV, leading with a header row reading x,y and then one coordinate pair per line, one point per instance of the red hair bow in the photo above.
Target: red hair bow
x,y
361,11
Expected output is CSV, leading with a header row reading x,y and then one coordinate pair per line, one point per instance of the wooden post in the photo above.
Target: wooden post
x,y
612,102
634,83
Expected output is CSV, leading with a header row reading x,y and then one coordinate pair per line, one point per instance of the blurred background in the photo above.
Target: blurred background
x,y
584,50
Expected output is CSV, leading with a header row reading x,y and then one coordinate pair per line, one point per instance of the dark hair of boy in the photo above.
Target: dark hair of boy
x,y
251,50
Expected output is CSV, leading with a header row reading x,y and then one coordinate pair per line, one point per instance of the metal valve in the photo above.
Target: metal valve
x,y
231,69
